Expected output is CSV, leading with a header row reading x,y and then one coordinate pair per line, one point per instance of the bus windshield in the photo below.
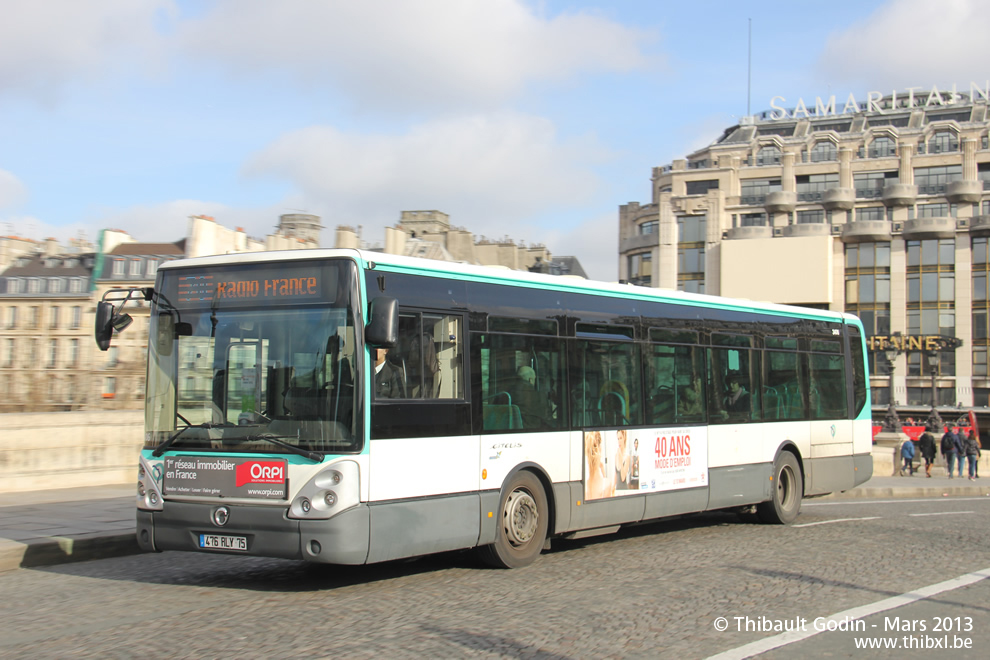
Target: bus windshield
x,y
254,358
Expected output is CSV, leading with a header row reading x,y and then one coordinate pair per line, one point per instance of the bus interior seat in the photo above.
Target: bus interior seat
x,y
500,416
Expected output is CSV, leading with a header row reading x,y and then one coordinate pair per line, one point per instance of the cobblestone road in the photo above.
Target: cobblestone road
x,y
651,591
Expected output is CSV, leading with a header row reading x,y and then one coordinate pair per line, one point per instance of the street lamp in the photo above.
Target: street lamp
x,y
934,422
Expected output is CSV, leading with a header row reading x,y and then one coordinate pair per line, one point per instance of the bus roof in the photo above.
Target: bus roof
x,y
463,271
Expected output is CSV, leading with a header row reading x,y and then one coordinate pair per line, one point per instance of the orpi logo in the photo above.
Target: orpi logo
x,y
260,472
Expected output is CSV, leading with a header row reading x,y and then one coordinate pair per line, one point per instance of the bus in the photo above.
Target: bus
x,y
350,407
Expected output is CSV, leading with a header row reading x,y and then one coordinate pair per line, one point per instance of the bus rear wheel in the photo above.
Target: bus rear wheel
x,y
787,489
522,526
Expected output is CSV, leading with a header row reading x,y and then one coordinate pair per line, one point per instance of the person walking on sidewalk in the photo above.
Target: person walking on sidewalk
x,y
907,453
960,450
972,453
926,443
949,449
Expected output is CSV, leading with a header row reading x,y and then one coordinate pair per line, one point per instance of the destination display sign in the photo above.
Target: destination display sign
x,y
263,284
216,476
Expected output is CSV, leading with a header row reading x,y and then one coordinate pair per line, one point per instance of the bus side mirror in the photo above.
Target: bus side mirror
x,y
383,323
106,322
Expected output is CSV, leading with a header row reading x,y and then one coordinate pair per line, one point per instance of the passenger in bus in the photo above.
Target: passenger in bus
x,y
689,406
533,406
389,383
737,399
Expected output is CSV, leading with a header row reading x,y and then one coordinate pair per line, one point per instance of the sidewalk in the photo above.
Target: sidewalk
x,y
44,528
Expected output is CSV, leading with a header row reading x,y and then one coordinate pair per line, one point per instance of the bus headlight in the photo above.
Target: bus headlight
x,y
334,489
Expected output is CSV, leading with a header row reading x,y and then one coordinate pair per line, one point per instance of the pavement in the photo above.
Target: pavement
x,y
50,527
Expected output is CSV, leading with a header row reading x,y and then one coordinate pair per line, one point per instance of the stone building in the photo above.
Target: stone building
x,y
428,234
879,208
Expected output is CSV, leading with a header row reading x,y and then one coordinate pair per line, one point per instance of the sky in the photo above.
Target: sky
x,y
527,119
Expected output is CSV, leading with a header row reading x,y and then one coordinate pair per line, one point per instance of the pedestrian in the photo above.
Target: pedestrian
x,y
907,453
960,449
927,445
948,447
972,452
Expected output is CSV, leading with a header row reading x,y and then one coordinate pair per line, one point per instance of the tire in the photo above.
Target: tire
x,y
523,520
787,489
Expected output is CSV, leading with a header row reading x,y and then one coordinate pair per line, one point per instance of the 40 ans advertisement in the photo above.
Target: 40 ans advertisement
x,y
628,461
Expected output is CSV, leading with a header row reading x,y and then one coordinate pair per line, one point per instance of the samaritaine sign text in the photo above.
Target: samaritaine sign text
x,y
911,97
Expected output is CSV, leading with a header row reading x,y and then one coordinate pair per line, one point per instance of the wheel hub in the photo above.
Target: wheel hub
x,y
521,517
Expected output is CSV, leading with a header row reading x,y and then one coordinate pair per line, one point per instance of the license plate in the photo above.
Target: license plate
x,y
219,542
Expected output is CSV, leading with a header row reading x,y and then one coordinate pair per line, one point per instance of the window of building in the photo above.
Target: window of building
x,y
753,220
768,155
11,318
112,354
52,353
118,267
35,318
869,185
641,268
943,142
933,210
983,174
871,213
11,352
931,298
33,285
883,147
755,191
76,317
812,187
868,291
691,228
691,260
810,217
54,318
76,285
136,268
73,352
980,304
649,227
701,187
933,180
15,285
823,151
32,352
56,285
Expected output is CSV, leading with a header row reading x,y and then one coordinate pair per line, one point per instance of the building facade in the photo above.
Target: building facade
x,y
881,209
49,360
429,235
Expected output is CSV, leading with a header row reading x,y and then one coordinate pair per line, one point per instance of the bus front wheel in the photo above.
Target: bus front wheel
x,y
786,491
522,526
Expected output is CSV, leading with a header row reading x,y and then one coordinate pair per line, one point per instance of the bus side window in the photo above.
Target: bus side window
x,y
605,383
429,356
733,393
675,385
521,381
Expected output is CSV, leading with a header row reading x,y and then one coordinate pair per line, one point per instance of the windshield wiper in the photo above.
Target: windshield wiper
x,y
160,449
277,440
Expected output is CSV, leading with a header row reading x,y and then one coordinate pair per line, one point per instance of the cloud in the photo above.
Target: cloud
x,y
45,46
484,170
434,53
12,191
595,242
911,43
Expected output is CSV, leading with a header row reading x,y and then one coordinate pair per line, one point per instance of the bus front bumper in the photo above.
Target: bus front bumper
x,y
258,531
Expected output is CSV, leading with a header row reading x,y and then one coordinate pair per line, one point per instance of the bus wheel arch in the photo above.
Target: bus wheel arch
x,y
786,489
525,517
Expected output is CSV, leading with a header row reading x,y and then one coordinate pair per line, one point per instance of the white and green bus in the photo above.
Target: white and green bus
x,y
350,407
